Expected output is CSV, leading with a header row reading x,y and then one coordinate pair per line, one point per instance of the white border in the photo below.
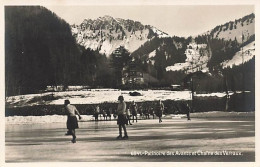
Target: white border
x,y
132,3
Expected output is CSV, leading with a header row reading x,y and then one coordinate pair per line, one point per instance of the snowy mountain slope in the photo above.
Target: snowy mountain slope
x,y
159,33
235,29
241,30
248,53
197,59
107,33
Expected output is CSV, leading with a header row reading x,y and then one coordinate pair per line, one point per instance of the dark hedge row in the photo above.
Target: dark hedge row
x,y
88,109
237,102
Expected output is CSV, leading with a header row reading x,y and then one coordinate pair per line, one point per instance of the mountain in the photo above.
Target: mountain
x,y
234,30
106,33
202,52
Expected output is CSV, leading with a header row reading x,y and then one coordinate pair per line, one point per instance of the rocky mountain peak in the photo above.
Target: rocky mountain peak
x,y
107,33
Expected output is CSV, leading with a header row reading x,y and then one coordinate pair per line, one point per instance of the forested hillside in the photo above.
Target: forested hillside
x,y
40,50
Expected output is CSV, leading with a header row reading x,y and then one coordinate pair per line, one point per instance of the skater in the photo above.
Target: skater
x,y
152,111
187,109
141,112
72,122
160,108
146,112
133,108
121,120
128,114
104,115
97,113
184,108
109,112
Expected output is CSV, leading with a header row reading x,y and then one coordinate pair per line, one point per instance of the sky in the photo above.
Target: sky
x,y
179,20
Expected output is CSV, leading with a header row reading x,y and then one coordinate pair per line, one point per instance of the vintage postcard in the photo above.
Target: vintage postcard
x,y
99,83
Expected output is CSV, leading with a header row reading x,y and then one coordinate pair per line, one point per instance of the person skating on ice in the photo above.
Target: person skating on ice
x,y
121,117
72,122
97,111
160,109
128,114
133,109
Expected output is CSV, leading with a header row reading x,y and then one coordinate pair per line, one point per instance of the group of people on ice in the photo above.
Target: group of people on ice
x,y
132,111
122,112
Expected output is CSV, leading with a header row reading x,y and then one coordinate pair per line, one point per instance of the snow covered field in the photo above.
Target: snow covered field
x,y
96,96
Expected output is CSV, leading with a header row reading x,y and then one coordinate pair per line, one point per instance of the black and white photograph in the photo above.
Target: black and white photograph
x,y
141,82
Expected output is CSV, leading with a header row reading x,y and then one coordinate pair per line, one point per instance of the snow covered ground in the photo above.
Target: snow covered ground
x,y
96,96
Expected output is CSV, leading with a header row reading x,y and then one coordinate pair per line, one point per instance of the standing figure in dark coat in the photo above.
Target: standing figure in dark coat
x,y
104,115
109,112
147,112
121,119
133,109
160,108
72,122
184,108
140,110
187,109
152,111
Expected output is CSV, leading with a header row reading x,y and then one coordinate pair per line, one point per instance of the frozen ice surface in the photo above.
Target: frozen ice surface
x,y
96,141
62,118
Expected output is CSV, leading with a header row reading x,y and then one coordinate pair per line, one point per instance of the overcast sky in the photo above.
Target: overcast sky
x,y
174,20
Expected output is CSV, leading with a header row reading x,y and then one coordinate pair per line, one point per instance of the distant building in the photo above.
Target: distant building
x,y
60,88
131,76
120,57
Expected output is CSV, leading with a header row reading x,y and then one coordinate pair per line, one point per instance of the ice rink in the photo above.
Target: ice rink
x,y
148,141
